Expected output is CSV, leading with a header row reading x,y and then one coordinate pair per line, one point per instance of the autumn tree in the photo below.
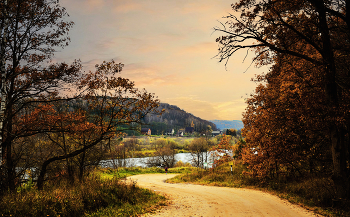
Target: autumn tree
x,y
285,125
32,86
121,150
113,105
31,30
199,151
238,149
208,131
222,152
232,132
164,153
280,31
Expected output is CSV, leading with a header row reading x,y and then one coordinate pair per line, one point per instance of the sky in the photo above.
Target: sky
x,y
167,47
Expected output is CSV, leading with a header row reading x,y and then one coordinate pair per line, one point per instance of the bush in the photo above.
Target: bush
x,y
182,164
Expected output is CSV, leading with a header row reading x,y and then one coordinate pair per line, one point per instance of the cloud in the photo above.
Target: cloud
x,y
144,75
126,6
199,108
84,6
167,47
202,48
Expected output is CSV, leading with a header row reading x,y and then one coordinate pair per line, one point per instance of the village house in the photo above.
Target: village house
x,y
215,133
189,130
180,133
146,131
170,132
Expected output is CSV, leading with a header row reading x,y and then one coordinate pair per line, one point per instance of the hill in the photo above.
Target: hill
x,y
175,118
172,118
226,124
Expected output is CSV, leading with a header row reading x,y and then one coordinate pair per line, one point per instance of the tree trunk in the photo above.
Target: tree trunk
x,y
3,81
3,154
41,177
340,176
334,97
81,167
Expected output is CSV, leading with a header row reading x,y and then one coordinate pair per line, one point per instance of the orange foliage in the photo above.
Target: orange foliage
x,y
222,152
302,115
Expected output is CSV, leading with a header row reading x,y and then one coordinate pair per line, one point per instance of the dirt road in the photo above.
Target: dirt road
x,y
198,200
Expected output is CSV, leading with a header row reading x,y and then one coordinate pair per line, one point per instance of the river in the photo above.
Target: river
x,y
141,162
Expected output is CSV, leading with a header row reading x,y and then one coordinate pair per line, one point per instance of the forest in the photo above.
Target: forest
x,y
297,122
174,118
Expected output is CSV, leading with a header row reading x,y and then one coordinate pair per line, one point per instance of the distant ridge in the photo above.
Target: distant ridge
x,y
175,118
226,124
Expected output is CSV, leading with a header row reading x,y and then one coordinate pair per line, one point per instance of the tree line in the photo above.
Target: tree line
x,y
298,119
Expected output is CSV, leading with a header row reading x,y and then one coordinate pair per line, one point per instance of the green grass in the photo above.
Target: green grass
x,y
97,196
219,177
109,173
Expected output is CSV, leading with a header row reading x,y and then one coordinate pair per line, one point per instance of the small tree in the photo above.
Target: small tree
x,y
238,148
113,105
199,151
232,132
164,153
222,152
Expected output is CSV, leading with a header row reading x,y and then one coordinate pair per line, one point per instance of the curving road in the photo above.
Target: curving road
x,y
198,200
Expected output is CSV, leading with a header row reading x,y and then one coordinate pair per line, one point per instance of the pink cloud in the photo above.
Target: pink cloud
x,y
150,76
126,6
206,48
84,6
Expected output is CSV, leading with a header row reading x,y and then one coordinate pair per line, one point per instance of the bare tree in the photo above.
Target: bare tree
x,y
199,151
164,153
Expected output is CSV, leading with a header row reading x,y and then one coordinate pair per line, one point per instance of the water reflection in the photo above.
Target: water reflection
x,y
142,162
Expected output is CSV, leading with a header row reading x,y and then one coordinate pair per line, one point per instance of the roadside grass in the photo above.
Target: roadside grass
x,y
313,193
96,196
144,153
220,176
109,173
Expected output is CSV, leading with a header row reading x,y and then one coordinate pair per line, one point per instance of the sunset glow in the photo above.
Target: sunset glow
x,y
168,48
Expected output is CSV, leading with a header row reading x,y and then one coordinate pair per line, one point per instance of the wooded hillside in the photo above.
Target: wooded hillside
x,y
175,118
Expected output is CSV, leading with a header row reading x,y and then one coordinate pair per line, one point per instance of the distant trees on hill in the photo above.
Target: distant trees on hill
x,y
175,118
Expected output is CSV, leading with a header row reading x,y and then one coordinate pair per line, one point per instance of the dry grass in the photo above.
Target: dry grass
x,y
94,197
